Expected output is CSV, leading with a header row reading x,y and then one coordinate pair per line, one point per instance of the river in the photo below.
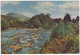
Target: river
x,y
8,34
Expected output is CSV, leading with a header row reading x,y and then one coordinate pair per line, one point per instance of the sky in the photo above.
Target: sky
x,y
57,9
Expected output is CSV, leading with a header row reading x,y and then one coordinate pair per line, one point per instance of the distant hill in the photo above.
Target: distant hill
x,y
8,17
41,20
19,16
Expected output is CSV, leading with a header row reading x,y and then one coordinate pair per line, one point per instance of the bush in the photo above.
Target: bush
x,y
64,39
76,27
69,44
62,29
4,24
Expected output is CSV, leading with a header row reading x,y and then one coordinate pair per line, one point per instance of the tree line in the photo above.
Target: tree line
x,y
35,22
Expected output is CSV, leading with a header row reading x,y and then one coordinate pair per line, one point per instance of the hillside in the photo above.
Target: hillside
x,y
8,17
41,20
19,16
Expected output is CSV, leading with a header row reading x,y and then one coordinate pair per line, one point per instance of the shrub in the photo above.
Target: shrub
x,y
62,29
69,44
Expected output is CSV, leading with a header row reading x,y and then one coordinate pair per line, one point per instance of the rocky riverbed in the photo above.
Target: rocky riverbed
x,y
24,41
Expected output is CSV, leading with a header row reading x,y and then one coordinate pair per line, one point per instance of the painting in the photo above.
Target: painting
x,y
39,27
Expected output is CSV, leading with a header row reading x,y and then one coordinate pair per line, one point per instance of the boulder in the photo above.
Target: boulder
x,y
4,43
25,46
28,45
42,45
16,48
41,38
6,52
22,36
32,51
15,38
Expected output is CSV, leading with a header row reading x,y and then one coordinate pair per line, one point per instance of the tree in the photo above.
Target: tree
x,y
67,18
48,15
57,20
74,21
4,24
77,18
11,23
62,29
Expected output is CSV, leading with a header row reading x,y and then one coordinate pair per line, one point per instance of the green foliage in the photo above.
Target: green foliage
x,y
63,28
11,23
41,20
64,39
4,24
76,28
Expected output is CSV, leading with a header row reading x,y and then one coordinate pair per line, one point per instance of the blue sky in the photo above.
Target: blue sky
x,y
57,9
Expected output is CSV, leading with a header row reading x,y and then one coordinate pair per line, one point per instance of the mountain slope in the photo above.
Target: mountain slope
x,y
19,16
8,17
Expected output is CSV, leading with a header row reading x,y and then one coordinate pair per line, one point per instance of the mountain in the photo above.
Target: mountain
x,y
8,17
19,16
41,20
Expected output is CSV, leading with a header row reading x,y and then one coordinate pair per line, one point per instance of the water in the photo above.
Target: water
x,y
7,35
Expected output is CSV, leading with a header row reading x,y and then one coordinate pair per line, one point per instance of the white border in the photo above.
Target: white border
x,y
39,0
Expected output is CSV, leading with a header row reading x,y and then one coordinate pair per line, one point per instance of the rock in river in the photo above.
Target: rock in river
x,y
28,45
15,38
4,43
41,38
42,45
22,36
6,52
32,51
16,48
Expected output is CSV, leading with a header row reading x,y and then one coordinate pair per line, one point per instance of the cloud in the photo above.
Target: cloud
x,y
70,11
57,16
49,7
44,7
9,2
72,5
69,7
55,9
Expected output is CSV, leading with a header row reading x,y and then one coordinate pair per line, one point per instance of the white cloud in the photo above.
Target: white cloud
x,y
49,7
70,11
56,10
73,5
44,7
57,16
9,2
